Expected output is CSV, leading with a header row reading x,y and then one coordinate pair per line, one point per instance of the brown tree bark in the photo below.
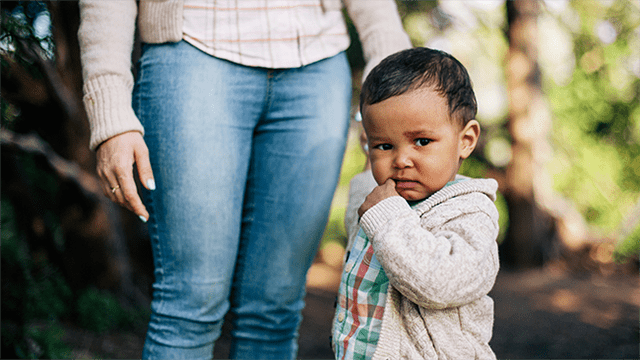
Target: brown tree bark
x,y
531,230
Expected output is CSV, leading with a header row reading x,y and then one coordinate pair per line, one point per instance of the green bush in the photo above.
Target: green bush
x,y
100,311
629,248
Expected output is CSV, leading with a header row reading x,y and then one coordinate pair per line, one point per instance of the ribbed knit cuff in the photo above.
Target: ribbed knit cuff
x,y
382,212
379,28
107,100
161,21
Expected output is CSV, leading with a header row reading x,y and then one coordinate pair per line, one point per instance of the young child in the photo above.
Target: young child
x,y
418,271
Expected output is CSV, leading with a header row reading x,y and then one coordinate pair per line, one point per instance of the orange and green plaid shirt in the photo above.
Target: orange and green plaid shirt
x,y
361,299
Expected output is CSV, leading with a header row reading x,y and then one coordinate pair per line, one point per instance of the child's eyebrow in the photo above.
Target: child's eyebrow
x,y
374,138
417,133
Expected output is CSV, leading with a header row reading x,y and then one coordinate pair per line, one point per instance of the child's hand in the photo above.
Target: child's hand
x,y
379,193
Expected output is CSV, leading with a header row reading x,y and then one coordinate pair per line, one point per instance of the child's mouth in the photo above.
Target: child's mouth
x,y
406,184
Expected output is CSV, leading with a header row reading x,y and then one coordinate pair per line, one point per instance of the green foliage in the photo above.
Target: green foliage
x,y
335,231
629,248
473,167
45,343
38,342
32,290
10,114
31,281
48,294
596,130
13,263
352,164
43,293
100,311
354,159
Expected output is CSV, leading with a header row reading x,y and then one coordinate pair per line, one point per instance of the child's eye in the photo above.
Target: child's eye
x,y
422,142
383,147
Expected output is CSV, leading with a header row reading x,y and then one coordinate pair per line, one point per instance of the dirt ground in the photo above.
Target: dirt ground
x,y
541,313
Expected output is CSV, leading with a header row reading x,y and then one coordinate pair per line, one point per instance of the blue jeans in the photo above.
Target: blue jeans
x,y
246,161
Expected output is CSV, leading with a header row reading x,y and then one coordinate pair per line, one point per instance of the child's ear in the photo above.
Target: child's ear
x,y
469,138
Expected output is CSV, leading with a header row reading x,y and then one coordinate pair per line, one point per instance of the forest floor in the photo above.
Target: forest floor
x,y
551,312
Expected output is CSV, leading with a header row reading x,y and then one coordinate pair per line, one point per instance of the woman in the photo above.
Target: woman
x,y
241,109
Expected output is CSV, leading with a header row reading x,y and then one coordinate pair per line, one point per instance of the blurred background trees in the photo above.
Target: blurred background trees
x,y
558,91
558,88
559,100
66,250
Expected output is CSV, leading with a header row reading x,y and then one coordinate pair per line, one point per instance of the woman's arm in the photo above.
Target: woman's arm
x,y
106,36
379,29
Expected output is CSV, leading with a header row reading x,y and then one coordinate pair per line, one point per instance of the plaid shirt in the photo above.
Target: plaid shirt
x,y
265,33
361,299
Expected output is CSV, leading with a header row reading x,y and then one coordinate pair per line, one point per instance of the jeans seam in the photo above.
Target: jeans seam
x,y
268,93
148,199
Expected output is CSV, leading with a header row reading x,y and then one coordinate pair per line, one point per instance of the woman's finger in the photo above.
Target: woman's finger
x,y
141,156
128,192
131,198
109,185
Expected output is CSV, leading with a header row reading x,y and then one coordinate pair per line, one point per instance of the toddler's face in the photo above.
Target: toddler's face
x,y
413,141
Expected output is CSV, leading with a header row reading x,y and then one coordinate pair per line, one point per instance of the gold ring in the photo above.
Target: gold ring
x,y
113,189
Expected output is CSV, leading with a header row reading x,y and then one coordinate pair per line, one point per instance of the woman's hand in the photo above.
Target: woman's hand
x,y
116,157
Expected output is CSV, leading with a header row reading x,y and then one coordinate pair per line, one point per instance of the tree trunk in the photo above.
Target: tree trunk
x,y
531,230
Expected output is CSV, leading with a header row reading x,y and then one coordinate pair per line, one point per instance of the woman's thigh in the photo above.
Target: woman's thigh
x,y
296,160
199,114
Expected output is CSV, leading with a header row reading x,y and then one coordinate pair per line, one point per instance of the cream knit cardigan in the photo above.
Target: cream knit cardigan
x,y
441,258
106,38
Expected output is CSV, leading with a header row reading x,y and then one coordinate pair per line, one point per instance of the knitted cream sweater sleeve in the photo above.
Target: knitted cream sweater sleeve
x,y
452,264
379,29
106,36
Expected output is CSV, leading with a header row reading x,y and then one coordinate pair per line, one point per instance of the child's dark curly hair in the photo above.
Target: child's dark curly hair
x,y
422,67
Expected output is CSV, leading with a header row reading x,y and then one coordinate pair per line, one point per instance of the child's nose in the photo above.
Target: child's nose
x,y
402,160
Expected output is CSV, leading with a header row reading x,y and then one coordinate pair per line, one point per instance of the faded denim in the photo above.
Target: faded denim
x,y
246,161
